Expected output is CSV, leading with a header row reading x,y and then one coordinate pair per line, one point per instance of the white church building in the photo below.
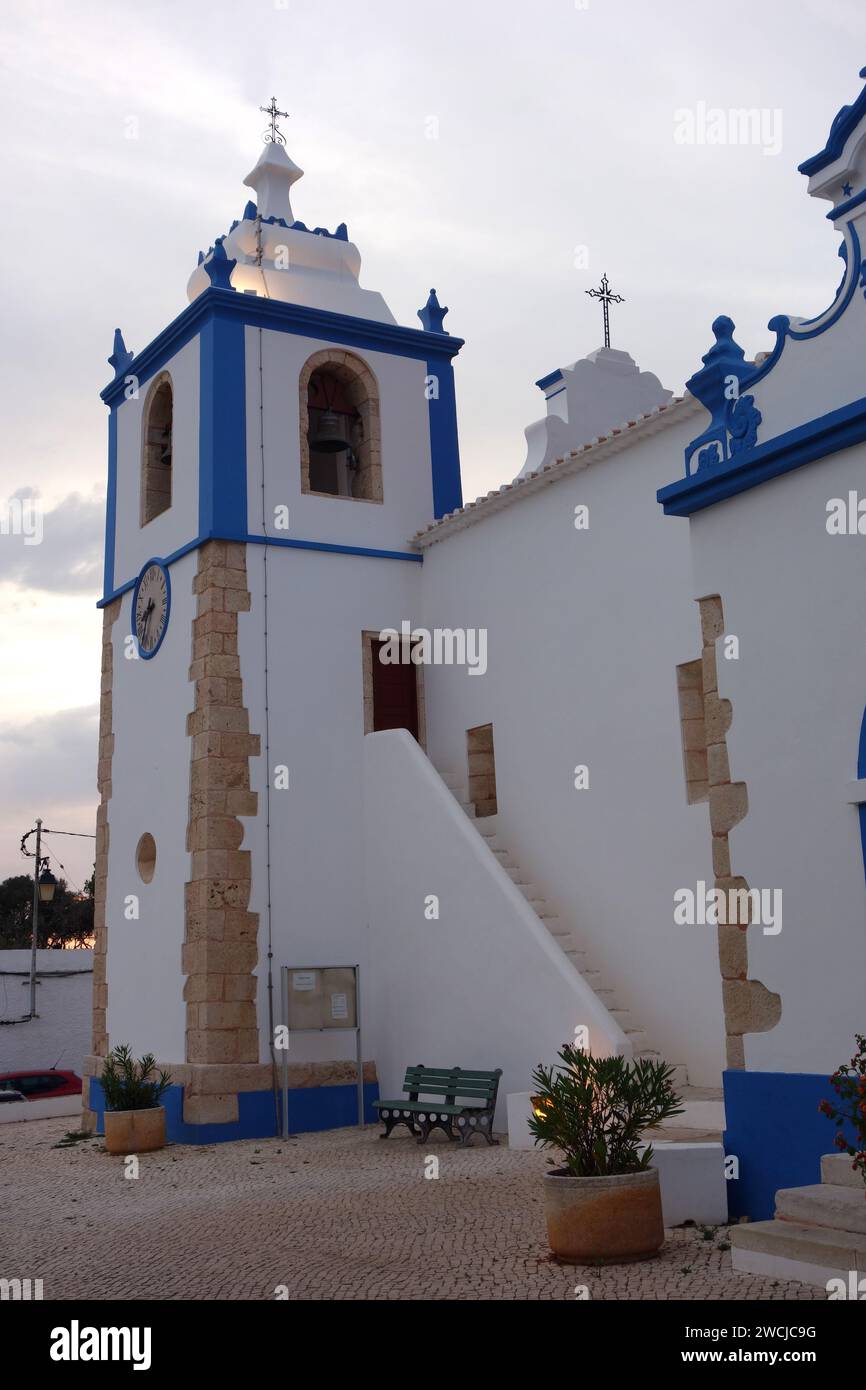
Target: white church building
x,y
617,785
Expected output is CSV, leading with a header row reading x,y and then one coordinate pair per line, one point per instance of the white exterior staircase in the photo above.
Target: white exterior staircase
x,y
707,1117
818,1234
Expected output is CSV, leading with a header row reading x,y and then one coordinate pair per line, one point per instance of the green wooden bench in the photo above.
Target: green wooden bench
x,y
469,1100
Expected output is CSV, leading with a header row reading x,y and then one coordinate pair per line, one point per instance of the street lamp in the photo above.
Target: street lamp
x,y
47,884
44,884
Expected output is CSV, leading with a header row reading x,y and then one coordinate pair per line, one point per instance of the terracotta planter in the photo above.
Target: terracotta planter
x,y
604,1220
134,1131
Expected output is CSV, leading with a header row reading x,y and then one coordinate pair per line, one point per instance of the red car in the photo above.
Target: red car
x,y
41,1085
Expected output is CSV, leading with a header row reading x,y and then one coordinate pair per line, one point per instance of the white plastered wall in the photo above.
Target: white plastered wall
x,y
406,469
134,543
585,631
318,607
793,596
150,792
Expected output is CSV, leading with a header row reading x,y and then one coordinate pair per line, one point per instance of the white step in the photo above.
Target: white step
x,y
836,1169
823,1204
530,891
788,1250
699,1114
680,1077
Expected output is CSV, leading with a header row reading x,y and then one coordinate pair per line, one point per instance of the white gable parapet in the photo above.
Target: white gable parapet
x,y
804,399
587,399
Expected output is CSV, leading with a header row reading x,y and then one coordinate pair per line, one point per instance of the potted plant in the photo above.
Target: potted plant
x,y
134,1118
603,1206
849,1107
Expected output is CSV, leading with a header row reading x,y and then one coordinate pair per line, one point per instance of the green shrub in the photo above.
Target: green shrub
x,y
131,1085
594,1110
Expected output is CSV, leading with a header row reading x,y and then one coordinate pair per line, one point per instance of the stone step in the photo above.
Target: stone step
x,y
531,892
788,1250
605,994
680,1077
836,1169
823,1204
690,1093
699,1114
665,1134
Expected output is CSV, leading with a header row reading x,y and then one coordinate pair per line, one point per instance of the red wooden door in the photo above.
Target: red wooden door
x,y
395,694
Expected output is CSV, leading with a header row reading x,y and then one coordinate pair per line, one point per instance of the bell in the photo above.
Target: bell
x,y
330,436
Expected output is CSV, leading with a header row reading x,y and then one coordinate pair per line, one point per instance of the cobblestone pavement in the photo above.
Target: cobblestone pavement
x,y
338,1215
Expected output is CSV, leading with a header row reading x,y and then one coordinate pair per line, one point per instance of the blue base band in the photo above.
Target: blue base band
x,y
310,1108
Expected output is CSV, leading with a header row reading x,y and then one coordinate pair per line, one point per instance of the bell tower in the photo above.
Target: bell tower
x,y
272,452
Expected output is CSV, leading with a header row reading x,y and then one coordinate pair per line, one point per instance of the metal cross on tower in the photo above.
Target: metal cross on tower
x,y
273,136
607,298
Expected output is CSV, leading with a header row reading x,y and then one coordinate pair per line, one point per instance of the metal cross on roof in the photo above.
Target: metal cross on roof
x,y
607,298
273,136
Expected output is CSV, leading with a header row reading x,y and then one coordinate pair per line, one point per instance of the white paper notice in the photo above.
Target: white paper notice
x,y
339,1006
303,979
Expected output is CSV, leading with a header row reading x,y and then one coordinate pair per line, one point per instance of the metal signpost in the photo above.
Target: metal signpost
x,y
321,999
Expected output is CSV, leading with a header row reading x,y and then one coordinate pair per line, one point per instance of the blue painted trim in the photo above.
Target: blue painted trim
x,y
781,324
154,560
311,1108
774,1128
861,772
844,122
120,356
332,548
222,499
545,381
827,434
554,394
444,447
848,206
335,549
166,561
432,315
364,334
110,505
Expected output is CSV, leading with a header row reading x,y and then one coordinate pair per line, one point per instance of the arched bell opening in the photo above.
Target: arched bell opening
x,y
157,450
340,448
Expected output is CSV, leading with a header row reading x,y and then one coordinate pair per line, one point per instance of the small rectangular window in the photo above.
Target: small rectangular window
x,y
482,769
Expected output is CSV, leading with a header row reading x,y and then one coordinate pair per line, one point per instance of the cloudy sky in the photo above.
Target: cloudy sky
x,y
508,153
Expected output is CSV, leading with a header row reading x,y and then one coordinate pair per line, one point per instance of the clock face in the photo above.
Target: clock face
x,y
151,602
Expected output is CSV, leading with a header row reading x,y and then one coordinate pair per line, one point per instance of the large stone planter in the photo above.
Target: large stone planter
x,y
604,1220
134,1131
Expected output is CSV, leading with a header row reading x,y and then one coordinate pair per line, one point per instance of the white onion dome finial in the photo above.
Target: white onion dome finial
x,y
272,179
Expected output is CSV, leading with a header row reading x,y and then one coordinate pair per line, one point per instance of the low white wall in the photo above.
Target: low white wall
x,y
485,985
61,1035
40,1109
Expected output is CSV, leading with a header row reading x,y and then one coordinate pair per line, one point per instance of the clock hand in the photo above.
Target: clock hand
x,y
148,614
